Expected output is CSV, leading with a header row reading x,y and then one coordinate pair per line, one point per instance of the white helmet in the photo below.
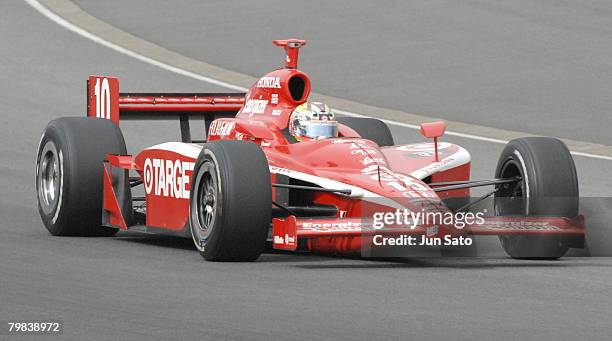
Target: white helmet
x,y
313,120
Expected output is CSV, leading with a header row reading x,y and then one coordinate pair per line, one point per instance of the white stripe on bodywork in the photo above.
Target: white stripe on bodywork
x,y
356,192
185,149
459,158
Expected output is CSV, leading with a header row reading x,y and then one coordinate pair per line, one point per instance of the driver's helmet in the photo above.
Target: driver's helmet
x,y
313,120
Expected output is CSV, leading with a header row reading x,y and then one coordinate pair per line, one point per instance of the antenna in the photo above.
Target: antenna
x,y
292,47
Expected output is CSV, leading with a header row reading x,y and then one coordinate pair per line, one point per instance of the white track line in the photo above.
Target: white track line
x,y
61,21
64,23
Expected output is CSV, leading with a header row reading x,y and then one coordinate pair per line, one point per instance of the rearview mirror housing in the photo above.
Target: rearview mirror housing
x,y
433,129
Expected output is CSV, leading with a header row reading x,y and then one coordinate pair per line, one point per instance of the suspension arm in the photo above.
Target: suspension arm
x,y
448,186
313,188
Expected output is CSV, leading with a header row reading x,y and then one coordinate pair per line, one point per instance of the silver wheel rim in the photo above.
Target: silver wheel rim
x,y
49,177
513,194
205,204
207,198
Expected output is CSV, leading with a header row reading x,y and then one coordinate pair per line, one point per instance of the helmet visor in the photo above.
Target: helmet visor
x,y
316,129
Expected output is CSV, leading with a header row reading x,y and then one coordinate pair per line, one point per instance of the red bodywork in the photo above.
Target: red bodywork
x,y
380,178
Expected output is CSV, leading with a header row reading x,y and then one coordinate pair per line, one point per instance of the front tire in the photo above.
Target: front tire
x,y
549,187
231,201
69,174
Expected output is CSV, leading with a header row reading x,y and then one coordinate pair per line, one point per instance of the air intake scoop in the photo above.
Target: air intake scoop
x,y
292,48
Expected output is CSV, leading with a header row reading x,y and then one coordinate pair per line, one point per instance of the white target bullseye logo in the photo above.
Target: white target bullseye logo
x,y
148,175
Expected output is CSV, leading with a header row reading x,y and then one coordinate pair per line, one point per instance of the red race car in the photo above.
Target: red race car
x,y
277,168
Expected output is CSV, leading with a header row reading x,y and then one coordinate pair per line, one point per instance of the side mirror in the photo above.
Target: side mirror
x,y
433,130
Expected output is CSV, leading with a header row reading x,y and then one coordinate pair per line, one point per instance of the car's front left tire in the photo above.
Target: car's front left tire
x,y
231,201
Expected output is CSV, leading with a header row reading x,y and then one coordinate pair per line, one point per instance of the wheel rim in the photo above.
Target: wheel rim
x,y
206,202
205,207
512,200
511,196
49,177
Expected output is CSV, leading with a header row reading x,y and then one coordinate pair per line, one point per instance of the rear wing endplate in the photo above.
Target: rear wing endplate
x,y
105,101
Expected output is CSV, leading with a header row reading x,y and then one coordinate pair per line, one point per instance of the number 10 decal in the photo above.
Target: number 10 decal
x,y
103,98
102,93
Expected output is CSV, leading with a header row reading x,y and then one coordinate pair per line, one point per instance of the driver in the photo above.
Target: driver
x,y
313,120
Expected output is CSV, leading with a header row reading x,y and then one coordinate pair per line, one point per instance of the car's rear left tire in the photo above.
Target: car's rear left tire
x,y
69,174
549,187
230,201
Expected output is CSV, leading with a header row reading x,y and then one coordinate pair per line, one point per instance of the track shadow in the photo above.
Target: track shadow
x,y
156,240
318,261
455,263
286,257
372,264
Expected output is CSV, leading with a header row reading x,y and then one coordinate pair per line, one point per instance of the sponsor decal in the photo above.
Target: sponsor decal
x,y
332,226
221,128
521,225
458,158
433,167
276,112
274,99
408,186
269,83
364,152
340,140
167,178
370,160
255,106
287,240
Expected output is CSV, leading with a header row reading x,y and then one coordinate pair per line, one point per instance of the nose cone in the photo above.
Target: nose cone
x,y
360,164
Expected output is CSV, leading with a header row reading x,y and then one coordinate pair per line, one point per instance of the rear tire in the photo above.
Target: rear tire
x,y
549,187
69,174
370,128
231,201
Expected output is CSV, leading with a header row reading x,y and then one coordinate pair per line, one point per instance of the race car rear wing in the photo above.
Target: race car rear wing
x,y
105,101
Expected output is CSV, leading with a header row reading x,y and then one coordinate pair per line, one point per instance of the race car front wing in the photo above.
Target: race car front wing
x,y
286,232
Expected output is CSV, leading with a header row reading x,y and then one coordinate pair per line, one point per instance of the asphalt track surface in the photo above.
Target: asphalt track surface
x,y
135,287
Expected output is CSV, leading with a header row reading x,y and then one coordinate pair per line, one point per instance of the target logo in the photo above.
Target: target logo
x,y
167,178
